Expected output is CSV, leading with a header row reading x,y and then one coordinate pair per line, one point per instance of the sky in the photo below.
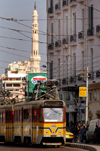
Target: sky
x,y
16,36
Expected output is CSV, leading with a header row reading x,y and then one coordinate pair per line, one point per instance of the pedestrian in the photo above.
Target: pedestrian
x,y
75,131
78,128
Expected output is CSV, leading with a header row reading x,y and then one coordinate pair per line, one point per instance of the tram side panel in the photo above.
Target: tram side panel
x,y
18,126
27,125
9,126
2,126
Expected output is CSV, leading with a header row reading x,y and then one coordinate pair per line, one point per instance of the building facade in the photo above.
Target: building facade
x,y
73,29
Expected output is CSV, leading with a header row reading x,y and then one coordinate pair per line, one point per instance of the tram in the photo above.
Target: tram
x,y
34,122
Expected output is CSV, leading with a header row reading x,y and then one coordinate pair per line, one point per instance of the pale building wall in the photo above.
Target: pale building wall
x,y
81,45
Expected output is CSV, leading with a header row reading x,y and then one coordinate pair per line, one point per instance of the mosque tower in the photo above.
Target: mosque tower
x,y
35,57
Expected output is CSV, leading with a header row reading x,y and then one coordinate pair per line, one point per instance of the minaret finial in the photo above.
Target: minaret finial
x,y
35,6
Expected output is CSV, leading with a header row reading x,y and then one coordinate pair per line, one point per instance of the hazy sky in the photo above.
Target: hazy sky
x,y
17,46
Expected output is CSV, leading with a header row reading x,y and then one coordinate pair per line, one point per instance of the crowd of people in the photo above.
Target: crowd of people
x,y
79,132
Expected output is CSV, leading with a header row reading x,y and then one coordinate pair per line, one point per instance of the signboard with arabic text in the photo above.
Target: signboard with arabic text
x,y
82,91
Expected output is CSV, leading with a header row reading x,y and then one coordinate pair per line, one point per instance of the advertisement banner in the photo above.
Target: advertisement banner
x,y
34,78
82,91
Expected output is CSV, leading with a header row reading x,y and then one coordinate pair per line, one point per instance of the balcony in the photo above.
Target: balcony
x,y
58,8
58,45
90,34
80,1
98,30
73,39
50,12
51,47
65,42
65,5
91,76
97,74
81,37
73,3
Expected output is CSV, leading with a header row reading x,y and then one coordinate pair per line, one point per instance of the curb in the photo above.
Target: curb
x,y
81,146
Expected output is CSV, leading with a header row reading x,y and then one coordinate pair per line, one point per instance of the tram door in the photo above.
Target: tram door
x,y
8,126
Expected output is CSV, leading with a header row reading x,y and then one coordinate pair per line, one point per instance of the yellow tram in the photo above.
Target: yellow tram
x,y
39,121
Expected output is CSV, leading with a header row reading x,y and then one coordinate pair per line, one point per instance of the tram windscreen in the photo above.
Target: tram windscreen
x,y
53,114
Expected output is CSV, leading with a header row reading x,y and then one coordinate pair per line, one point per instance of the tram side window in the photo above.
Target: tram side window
x,y
8,116
35,114
40,115
27,114
17,115
3,119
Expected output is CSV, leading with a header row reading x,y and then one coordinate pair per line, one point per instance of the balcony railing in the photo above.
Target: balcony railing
x,y
73,38
91,76
65,3
97,74
51,46
65,40
90,32
57,6
58,43
98,29
50,10
81,35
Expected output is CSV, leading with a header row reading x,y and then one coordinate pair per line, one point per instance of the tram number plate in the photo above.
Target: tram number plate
x,y
53,135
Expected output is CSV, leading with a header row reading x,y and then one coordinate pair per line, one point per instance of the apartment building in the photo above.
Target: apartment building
x,y
73,29
14,79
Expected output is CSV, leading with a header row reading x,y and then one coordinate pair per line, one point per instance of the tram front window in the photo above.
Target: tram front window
x,y
53,114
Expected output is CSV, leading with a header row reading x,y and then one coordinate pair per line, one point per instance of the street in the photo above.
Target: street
x,y
4,147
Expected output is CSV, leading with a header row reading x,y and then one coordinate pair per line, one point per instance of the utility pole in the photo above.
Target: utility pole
x,y
86,76
86,120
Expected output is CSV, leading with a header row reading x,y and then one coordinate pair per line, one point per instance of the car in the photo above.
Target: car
x,y
69,135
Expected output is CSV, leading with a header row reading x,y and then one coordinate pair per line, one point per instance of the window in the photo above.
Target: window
x,y
51,70
66,26
91,61
67,65
59,68
90,17
51,3
83,20
53,114
8,85
27,114
35,114
58,29
74,64
83,60
16,85
8,116
52,33
74,23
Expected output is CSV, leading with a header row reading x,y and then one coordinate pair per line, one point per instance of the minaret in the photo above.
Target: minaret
x,y
35,57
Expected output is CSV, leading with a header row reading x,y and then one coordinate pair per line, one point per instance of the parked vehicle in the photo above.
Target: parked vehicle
x,y
69,135
90,134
